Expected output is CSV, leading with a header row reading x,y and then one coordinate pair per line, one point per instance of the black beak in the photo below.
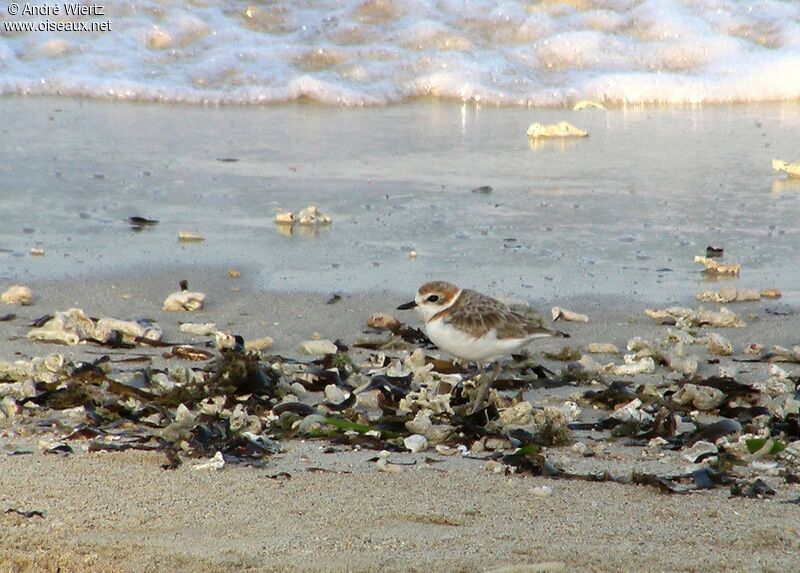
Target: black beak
x,y
408,305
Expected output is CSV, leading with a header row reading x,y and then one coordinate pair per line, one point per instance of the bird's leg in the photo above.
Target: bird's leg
x,y
485,386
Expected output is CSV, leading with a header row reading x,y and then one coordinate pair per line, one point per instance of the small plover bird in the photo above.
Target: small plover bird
x,y
474,327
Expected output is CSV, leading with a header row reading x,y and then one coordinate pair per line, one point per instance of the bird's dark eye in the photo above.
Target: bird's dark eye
x,y
433,298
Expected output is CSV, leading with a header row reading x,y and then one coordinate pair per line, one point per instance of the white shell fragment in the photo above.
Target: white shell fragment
x,y
416,443
701,448
199,329
564,314
37,252
190,237
17,294
631,367
382,321
184,300
730,294
561,129
542,491
718,268
215,463
791,169
318,347
588,104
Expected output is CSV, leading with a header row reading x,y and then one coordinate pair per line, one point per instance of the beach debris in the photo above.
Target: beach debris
x,y
383,321
541,491
215,463
412,254
335,298
718,268
771,293
285,218
37,252
17,294
259,344
311,215
234,274
558,130
602,348
415,443
318,347
138,223
791,169
587,104
631,367
72,327
714,252
190,237
8,317
184,299
730,294
482,190
719,345
25,514
686,317
199,329
568,315
757,489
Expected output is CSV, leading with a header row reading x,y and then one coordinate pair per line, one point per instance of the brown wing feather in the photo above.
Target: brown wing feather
x,y
478,314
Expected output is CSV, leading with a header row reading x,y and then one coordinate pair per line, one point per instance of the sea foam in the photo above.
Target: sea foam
x,y
374,52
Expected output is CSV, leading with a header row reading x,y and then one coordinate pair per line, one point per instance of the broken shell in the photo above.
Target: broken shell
x,y
416,443
718,268
234,274
184,300
602,348
199,329
412,254
632,412
313,216
700,397
382,321
699,449
37,252
17,294
729,294
564,314
259,344
542,491
791,169
318,347
587,104
284,218
719,345
771,293
190,237
561,129
215,463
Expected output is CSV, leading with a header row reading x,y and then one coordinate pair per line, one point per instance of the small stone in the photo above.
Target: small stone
x,y
542,491
190,237
719,345
259,344
198,329
602,348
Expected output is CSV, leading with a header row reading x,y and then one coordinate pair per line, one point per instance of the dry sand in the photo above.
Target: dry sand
x,y
112,512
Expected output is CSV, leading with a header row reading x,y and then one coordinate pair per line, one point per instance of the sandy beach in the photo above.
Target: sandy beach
x,y
586,226
307,510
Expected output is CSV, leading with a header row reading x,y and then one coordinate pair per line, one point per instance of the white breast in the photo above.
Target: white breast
x,y
467,347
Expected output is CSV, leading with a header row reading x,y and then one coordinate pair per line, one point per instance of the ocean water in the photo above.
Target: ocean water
x,y
375,52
